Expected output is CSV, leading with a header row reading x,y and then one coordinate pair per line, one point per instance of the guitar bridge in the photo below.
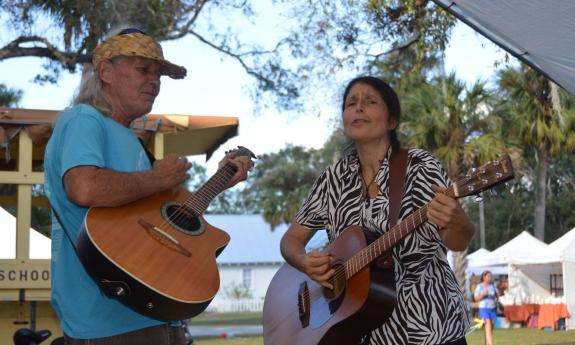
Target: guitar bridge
x,y
164,238
303,304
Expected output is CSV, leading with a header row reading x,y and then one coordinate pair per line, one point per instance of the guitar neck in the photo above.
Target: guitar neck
x,y
201,199
385,242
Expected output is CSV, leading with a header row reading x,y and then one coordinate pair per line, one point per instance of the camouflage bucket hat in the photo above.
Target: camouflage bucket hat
x,y
133,42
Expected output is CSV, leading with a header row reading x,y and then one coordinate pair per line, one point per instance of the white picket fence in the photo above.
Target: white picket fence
x,y
239,305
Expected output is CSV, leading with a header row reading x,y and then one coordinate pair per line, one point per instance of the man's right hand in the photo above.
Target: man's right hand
x,y
172,170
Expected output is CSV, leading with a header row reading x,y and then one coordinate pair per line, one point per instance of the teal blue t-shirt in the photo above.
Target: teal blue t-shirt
x,y
84,137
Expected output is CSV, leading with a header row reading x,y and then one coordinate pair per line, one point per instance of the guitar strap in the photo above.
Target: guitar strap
x,y
398,167
148,153
65,231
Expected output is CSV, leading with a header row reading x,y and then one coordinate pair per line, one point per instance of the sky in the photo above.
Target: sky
x,y
219,86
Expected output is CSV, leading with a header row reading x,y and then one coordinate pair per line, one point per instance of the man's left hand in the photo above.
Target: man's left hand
x,y
242,163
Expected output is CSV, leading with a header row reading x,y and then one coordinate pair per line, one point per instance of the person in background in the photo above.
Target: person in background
x,y
431,309
486,295
94,159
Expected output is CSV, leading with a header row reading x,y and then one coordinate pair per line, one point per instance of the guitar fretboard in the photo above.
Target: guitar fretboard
x,y
364,257
199,201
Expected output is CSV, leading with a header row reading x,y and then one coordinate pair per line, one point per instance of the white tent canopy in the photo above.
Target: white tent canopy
x,y
39,244
560,250
477,256
521,246
557,259
476,263
539,33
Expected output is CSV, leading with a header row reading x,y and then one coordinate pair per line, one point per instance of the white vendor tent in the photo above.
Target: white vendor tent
x,y
557,259
476,263
39,244
521,246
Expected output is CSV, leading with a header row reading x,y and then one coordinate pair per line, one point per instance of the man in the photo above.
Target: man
x,y
94,159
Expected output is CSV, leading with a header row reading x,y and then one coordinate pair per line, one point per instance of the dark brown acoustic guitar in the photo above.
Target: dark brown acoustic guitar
x,y
297,310
158,255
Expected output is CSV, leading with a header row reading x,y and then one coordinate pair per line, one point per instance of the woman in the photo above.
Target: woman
x,y
486,295
354,191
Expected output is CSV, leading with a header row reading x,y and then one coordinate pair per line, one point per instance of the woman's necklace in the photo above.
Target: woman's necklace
x,y
365,192
367,185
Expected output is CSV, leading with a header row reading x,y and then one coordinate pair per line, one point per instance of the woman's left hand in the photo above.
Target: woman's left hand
x,y
444,211
455,229
242,163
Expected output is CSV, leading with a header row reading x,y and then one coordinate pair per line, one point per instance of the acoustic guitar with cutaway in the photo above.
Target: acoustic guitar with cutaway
x,y
158,255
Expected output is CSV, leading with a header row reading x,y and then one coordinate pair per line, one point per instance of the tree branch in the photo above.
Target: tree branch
x,y
14,50
237,57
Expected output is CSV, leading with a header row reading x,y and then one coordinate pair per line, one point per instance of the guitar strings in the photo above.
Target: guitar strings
x,y
181,212
195,204
341,271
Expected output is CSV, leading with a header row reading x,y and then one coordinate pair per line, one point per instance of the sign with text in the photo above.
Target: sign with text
x,y
24,274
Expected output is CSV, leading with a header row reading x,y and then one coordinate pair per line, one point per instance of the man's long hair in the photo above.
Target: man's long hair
x,y
91,91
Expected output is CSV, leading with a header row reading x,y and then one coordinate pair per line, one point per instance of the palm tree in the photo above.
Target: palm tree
x,y
526,105
453,122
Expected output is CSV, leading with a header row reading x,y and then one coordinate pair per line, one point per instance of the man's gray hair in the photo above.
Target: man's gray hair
x,y
91,91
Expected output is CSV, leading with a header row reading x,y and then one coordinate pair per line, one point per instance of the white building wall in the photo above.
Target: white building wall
x,y
233,276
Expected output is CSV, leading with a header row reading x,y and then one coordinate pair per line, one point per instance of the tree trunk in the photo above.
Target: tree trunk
x,y
540,193
459,267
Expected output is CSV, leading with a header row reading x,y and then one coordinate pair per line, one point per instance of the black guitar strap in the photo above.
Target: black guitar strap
x,y
148,153
64,229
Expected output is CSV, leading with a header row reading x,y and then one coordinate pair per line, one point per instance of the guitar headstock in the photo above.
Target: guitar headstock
x,y
489,175
243,151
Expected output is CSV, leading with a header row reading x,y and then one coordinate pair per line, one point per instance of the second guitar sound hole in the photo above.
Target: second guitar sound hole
x,y
182,218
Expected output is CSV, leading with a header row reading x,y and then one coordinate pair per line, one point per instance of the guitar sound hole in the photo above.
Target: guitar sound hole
x,y
183,219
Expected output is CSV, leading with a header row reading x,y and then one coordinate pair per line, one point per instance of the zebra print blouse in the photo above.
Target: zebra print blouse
x,y
430,307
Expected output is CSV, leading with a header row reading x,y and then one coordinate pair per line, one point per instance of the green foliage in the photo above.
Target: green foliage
x,y
280,181
9,97
230,201
510,211
452,121
321,37
532,122
78,26
525,104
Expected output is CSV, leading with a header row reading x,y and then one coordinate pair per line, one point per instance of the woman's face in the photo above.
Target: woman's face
x,y
487,278
365,115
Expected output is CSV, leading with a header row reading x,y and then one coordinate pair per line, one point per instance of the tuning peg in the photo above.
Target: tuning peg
x,y
471,171
493,192
479,197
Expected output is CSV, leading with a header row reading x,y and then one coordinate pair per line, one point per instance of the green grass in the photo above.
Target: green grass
x,y
523,336
520,336
206,319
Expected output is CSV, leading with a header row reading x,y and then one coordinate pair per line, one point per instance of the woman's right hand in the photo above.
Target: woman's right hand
x,y
317,265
